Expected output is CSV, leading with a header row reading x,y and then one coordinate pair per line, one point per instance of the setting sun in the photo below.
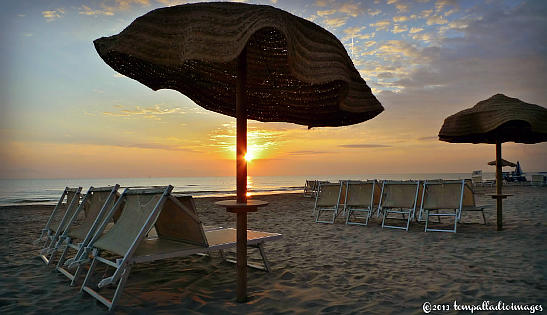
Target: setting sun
x,y
249,156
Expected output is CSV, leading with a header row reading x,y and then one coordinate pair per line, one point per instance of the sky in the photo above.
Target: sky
x,y
66,114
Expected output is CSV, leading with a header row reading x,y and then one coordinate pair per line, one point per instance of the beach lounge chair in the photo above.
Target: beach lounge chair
x,y
327,200
469,204
399,198
180,233
309,188
476,178
445,198
95,204
359,201
58,219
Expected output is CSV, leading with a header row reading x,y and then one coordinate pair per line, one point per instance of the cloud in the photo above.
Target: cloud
x,y
85,10
399,29
436,19
153,146
400,18
428,138
501,51
326,12
440,4
374,12
151,112
52,15
336,22
401,7
364,146
425,13
381,25
307,152
415,30
110,7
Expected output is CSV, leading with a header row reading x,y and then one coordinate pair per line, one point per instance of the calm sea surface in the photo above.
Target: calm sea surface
x,y
48,191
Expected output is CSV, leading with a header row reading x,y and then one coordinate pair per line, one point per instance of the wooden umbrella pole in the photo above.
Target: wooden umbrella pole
x,y
499,182
241,177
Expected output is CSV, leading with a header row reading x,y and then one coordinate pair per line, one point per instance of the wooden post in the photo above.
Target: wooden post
x,y
241,176
499,182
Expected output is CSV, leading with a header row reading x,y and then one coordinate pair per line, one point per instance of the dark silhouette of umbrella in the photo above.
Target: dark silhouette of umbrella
x,y
503,163
245,61
496,120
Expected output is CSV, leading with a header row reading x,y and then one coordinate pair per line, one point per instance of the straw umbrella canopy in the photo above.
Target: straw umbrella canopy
x,y
496,120
249,62
503,162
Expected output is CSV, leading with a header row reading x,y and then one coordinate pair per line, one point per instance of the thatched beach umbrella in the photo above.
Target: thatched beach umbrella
x,y
496,120
503,163
249,62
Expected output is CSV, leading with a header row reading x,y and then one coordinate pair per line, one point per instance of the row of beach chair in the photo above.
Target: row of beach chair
x,y
121,230
396,200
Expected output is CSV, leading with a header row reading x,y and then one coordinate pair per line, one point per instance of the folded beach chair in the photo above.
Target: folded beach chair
x,y
359,201
95,204
327,200
468,204
179,233
399,198
58,219
445,198
309,188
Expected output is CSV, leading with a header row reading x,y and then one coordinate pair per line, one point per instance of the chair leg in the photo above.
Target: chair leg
x,y
264,259
89,273
62,258
119,289
483,217
426,219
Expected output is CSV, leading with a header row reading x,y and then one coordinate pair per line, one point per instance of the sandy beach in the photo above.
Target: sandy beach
x,y
316,268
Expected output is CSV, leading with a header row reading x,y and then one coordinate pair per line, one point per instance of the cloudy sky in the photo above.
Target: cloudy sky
x,y
65,113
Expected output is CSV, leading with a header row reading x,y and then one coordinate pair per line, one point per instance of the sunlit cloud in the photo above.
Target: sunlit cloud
x,y
415,30
85,10
401,18
52,15
436,19
364,146
381,25
326,12
399,29
260,142
151,112
374,12
308,152
336,22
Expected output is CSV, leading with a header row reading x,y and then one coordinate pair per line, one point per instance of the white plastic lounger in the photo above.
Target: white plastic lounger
x,y
95,204
58,220
445,198
398,197
327,200
359,201
180,233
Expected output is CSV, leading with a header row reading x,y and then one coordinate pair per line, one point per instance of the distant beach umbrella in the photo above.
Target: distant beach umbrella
x,y
503,162
245,61
496,120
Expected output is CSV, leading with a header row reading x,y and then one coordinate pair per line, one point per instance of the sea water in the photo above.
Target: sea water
x,y
48,191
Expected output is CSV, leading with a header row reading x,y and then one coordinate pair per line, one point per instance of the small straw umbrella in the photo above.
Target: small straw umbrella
x,y
249,62
496,120
503,162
